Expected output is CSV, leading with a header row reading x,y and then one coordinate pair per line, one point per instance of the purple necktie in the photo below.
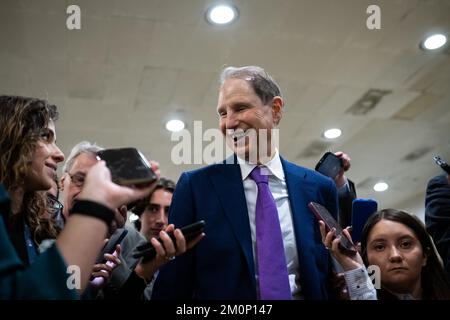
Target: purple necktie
x,y
272,269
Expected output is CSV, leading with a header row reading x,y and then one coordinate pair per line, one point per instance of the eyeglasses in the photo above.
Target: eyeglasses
x,y
54,206
77,179
55,209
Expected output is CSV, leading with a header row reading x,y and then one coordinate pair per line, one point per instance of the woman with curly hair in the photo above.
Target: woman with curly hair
x,y
28,162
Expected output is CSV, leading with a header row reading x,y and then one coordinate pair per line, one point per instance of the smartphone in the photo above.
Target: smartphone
x,y
190,232
329,165
321,213
111,245
362,209
441,163
128,166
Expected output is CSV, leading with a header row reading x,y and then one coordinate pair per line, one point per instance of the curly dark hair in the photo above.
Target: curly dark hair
x,y
435,284
22,120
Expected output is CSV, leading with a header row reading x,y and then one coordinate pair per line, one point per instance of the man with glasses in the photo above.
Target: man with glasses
x,y
131,277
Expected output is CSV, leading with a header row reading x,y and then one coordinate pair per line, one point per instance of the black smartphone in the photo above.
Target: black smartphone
x,y
441,163
128,166
111,245
362,209
321,213
329,165
190,232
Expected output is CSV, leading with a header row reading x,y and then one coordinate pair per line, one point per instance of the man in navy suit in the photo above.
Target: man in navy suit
x,y
223,265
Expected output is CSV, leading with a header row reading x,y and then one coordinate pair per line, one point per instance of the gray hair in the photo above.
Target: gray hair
x,y
81,147
262,83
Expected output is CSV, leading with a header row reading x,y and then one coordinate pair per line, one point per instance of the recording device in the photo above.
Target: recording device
x,y
362,209
191,231
321,213
329,165
441,163
111,245
128,166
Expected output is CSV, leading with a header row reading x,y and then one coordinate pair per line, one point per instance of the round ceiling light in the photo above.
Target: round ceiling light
x,y
434,42
332,133
221,14
175,125
380,186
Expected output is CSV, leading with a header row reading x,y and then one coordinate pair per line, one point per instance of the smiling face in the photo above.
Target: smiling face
x,y
44,163
242,116
396,250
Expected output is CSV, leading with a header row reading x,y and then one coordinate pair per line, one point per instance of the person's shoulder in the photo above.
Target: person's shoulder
x,y
205,171
438,180
305,172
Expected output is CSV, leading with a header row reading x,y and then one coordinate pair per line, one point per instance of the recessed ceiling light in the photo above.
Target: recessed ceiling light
x,y
380,186
434,41
175,125
221,14
332,133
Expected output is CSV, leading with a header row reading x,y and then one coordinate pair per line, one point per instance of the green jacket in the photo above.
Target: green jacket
x,y
46,278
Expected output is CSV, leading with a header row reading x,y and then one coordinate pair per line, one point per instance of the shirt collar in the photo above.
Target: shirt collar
x,y
274,165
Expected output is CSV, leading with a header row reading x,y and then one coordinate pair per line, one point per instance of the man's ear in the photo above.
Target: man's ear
x,y
61,183
277,109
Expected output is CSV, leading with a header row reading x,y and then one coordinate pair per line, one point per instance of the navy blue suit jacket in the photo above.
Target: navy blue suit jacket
x,y
437,216
221,266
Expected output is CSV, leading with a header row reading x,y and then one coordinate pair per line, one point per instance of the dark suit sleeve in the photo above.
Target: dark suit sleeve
x,y
437,216
176,279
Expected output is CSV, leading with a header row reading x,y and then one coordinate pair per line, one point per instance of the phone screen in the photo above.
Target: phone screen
x,y
329,165
189,232
127,165
321,213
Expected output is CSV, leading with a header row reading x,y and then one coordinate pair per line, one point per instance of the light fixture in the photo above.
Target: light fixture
x,y
332,133
222,14
434,42
380,186
175,125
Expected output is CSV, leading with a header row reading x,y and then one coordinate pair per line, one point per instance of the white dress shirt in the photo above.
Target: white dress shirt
x,y
278,188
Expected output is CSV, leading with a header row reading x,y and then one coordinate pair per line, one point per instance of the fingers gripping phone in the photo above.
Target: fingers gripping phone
x,y
441,163
329,165
111,245
128,166
190,232
321,213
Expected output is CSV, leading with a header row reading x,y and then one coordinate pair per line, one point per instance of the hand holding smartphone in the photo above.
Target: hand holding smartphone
x,y
329,165
191,231
111,245
128,166
321,213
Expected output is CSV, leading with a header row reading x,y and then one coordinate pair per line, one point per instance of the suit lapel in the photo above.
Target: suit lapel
x,y
227,182
300,191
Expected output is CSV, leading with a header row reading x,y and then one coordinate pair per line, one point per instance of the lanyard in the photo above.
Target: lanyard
x,y
31,248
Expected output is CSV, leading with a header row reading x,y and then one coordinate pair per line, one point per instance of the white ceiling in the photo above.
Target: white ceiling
x,y
136,63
